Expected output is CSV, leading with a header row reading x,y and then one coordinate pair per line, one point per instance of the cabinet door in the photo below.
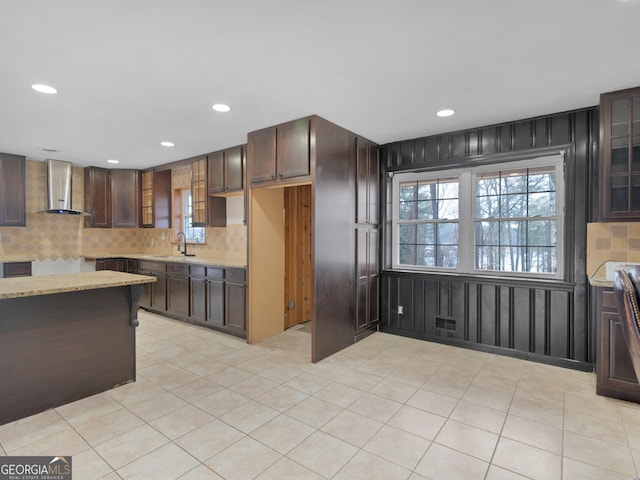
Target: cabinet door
x,y
618,366
12,190
235,306
292,149
215,303
216,172
147,213
159,293
620,154
234,168
16,269
198,299
199,193
367,278
261,150
162,198
125,198
178,295
367,182
97,197
373,276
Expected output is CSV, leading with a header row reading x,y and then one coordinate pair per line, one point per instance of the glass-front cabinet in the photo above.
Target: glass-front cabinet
x,y
620,155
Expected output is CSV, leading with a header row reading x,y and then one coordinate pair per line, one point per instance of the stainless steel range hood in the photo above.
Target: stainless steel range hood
x,y
59,188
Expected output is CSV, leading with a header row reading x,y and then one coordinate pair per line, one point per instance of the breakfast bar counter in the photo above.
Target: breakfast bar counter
x,y
65,337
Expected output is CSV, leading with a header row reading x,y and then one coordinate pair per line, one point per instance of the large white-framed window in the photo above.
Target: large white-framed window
x,y
500,219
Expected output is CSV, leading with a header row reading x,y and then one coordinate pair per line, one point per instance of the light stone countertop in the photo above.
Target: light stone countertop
x,y
600,281
16,258
195,260
70,282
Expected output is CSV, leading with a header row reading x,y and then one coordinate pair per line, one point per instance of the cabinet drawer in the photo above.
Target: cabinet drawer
x,y
608,300
234,275
144,265
215,273
16,269
198,271
178,268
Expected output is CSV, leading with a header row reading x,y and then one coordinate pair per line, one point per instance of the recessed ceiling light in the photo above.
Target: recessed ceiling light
x,y
113,161
447,112
221,107
38,87
167,144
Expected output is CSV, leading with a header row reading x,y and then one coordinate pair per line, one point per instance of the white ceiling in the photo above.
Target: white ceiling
x,y
131,73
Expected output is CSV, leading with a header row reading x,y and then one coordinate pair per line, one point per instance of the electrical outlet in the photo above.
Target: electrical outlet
x,y
400,310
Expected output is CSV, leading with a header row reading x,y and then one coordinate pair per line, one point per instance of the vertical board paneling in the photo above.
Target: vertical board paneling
x,y
560,132
559,322
540,333
431,150
505,317
489,314
459,145
521,319
505,138
473,142
523,135
405,298
539,133
489,140
525,319
430,304
471,321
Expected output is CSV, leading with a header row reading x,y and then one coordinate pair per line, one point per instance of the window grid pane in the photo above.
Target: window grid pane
x,y
515,225
427,235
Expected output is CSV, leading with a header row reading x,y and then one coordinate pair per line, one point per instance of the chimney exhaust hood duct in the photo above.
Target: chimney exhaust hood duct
x,y
59,188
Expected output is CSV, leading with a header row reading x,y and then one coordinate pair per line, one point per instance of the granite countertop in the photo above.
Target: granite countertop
x,y
195,260
600,281
71,282
15,258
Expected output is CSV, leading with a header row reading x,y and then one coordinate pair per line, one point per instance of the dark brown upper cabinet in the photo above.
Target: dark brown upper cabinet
x,y
125,198
199,191
367,182
280,153
620,155
97,197
156,199
112,197
12,190
226,171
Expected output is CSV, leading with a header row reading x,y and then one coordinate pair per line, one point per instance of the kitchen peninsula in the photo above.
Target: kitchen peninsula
x,y
65,337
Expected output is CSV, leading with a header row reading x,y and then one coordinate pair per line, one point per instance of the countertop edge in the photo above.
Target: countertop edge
x,y
71,282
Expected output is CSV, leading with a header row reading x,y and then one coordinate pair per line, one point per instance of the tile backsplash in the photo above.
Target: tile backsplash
x,y
619,241
48,237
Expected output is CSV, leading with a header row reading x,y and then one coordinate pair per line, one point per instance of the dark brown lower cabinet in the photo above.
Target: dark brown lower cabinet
x,y
178,289
16,269
215,297
234,295
201,294
127,265
615,375
155,294
198,296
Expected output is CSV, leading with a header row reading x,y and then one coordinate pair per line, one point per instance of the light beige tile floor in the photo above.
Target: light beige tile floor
x,y
209,406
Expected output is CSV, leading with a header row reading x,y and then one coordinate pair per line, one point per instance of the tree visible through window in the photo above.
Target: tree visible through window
x,y
516,220
505,218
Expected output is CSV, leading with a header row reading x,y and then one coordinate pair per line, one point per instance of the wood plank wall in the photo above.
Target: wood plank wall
x,y
298,269
545,322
